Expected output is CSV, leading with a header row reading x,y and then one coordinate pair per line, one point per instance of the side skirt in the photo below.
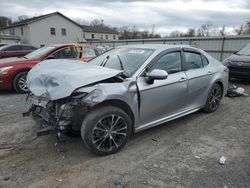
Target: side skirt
x,y
165,119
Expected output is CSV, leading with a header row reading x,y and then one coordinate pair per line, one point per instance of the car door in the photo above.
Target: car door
x,y
199,76
163,97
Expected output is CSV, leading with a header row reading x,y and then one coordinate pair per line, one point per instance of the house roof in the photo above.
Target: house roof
x,y
99,29
37,18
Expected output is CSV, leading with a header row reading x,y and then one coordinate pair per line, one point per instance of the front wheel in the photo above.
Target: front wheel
x,y
20,82
106,129
214,98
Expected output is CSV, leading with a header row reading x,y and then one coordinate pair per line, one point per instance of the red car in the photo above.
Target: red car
x,y
16,50
13,71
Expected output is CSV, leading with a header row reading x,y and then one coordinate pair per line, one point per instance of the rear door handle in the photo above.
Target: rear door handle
x,y
182,79
209,72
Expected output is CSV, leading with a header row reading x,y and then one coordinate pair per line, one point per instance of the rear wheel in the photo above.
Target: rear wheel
x,y
214,98
106,130
20,82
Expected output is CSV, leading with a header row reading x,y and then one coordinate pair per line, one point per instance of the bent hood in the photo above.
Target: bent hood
x,y
55,79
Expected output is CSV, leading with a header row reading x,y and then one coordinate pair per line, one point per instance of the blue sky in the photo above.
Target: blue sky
x,y
167,16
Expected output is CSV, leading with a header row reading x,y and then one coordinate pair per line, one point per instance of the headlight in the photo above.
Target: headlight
x,y
4,70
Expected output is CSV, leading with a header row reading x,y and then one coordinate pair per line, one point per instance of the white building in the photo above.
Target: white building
x,y
97,33
55,28
7,39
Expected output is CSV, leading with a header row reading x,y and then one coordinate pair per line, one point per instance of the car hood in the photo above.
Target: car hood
x,y
55,79
12,61
239,58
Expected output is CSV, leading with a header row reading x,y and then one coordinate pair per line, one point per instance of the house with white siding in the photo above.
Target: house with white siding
x,y
46,29
99,33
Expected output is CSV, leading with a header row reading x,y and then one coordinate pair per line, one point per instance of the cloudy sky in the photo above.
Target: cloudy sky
x,y
166,15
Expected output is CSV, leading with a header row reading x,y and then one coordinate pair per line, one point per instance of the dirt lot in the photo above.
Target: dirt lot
x,y
182,153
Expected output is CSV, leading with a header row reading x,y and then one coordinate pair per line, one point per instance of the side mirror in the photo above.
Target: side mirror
x,y
156,74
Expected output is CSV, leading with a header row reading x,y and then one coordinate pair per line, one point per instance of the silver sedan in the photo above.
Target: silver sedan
x,y
123,91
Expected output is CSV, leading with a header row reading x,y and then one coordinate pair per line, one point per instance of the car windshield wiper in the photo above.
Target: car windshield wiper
x,y
104,61
120,61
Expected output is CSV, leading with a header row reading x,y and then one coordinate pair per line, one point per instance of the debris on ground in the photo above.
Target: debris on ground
x,y
57,179
197,157
222,160
235,91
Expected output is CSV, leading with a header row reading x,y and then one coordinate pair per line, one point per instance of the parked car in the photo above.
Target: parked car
x,y
124,91
239,63
15,50
13,71
2,45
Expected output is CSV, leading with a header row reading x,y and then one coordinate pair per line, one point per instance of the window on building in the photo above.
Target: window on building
x,y
92,35
53,31
114,37
84,35
101,36
63,31
193,60
107,37
12,31
21,30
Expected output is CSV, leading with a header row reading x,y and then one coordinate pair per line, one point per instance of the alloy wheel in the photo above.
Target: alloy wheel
x,y
215,98
109,133
22,83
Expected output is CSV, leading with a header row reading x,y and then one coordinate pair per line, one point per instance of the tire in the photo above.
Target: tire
x,y
98,134
213,99
19,82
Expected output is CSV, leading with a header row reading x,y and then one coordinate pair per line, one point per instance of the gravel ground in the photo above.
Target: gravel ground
x,y
181,153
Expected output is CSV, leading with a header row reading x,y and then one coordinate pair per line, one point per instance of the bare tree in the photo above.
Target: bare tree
x,y
22,17
5,21
223,30
81,21
97,22
239,31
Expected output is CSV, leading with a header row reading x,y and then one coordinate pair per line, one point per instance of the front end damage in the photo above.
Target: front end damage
x,y
61,98
57,116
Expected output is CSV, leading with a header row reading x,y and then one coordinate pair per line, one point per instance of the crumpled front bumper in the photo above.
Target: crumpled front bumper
x,y
54,116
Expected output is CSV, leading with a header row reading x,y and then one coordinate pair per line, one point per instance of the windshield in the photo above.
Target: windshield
x,y
244,51
126,59
40,52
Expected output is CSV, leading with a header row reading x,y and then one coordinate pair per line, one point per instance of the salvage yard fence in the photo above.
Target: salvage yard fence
x,y
219,47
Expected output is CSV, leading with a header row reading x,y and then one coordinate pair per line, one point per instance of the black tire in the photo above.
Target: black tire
x,y
19,82
213,99
98,134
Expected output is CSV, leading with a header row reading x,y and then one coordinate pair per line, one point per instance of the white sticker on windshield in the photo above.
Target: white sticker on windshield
x,y
136,51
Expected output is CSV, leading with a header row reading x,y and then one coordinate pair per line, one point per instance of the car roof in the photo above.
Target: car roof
x,y
157,46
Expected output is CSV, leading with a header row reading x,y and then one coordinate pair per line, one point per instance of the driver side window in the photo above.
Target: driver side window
x,y
170,62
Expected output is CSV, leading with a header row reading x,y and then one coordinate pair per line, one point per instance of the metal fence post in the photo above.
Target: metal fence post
x,y
222,48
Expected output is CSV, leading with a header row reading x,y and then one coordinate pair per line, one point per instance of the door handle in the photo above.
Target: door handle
x,y
209,72
182,79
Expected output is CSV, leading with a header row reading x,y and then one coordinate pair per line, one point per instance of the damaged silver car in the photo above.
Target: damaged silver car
x,y
123,91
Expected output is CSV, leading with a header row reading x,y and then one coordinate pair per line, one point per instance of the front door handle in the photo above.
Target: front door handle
x,y
209,72
182,79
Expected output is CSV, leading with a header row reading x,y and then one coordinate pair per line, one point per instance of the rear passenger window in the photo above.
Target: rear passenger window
x,y
193,60
204,60
170,62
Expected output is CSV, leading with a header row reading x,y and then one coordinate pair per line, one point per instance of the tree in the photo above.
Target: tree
x,y
97,22
5,21
22,17
239,31
223,30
